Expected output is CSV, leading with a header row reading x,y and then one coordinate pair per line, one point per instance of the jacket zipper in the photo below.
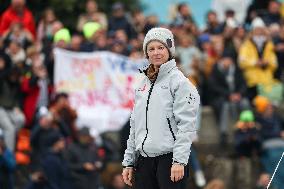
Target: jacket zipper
x,y
148,99
171,129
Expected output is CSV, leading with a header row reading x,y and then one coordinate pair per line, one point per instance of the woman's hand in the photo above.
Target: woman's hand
x,y
177,172
127,174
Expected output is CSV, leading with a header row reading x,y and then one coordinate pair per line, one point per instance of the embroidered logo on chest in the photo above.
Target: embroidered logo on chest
x,y
164,87
142,88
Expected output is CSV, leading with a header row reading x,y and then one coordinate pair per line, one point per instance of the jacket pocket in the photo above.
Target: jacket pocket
x,y
171,129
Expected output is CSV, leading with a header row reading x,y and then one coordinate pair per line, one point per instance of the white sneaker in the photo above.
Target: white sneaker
x,y
199,179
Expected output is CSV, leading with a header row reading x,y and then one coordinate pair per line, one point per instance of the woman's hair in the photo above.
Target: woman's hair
x,y
152,73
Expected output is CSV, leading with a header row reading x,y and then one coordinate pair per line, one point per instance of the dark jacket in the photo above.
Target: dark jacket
x,y
9,90
271,127
56,171
117,23
219,88
39,139
77,154
7,166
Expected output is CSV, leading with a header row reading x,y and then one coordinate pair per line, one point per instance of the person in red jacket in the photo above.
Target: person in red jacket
x,y
37,90
17,13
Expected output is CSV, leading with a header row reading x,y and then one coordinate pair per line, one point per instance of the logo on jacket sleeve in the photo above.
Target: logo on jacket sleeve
x,y
190,99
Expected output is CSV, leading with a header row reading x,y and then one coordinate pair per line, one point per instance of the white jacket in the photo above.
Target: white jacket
x,y
164,116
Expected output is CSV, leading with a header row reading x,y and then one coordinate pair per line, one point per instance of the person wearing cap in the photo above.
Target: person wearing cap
x,y
227,90
83,161
163,120
257,59
247,140
7,164
62,38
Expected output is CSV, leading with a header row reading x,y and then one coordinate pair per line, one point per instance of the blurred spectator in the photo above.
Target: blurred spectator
x,y
151,22
272,135
239,37
39,134
184,16
279,49
273,13
228,89
213,24
257,8
247,141
271,123
119,47
37,89
92,15
16,53
63,35
65,116
118,21
121,35
83,161
95,37
12,117
62,38
7,165
17,13
44,29
257,58
208,52
54,165
231,42
19,35
239,8
138,21
190,56
76,42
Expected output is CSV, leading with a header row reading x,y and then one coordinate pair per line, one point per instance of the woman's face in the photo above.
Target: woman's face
x,y
158,53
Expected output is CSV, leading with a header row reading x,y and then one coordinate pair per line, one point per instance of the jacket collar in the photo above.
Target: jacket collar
x,y
164,68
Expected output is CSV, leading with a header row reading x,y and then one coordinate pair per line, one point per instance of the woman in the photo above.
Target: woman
x,y
163,121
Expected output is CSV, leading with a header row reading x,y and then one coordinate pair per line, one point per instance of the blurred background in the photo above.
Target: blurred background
x,y
232,50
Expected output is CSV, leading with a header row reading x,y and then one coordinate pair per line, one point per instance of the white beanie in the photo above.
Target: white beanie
x,y
257,23
162,35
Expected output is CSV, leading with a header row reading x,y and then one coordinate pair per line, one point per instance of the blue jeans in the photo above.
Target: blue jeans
x,y
193,160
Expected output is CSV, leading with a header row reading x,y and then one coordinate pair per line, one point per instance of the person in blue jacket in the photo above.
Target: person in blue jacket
x,y
7,165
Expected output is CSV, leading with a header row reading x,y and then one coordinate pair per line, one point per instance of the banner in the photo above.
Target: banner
x,y
100,87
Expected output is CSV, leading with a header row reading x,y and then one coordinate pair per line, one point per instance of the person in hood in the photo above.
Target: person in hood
x,y
84,168
163,121
257,59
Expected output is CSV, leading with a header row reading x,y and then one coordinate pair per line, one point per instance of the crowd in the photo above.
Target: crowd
x,y
237,66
